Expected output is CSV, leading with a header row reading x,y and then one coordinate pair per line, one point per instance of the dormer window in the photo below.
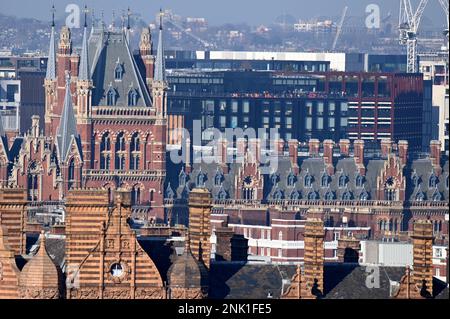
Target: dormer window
x,y
420,197
278,195
274,179
222,195
433,181
325,180
308,181
312,196
359,181
295,195
111,97
118,72
218,179
437,196
415,180
132,97
201,180
291,180
342,181
364,196
329,195
347,196
182,178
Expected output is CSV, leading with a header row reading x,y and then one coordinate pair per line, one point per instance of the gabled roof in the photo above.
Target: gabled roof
x,y
67,130
107,49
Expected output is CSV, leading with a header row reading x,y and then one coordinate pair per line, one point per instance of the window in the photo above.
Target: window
x,y
201,180
433,181
118,72
325,180
132,98
246,107
120,149
234,106
438,253
222,194
359,181
111,97
336,236
420,197
136,195
329,195
11,91
274,179
312,196
116,270
291,180
295,195
347,195
105,149
308,181
182,178
218,179
71,174
135,154
278,195
437,196
342,181
364,196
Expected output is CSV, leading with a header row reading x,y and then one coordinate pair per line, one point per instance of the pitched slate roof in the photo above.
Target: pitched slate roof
x,y
108,50
160,68
51,62
84,72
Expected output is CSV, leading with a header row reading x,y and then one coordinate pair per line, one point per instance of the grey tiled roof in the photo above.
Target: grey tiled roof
x,y
84,72
108,50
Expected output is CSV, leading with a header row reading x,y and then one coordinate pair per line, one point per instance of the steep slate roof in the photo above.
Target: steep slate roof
x,y
107,50
160,68
67,130
84,72
51,63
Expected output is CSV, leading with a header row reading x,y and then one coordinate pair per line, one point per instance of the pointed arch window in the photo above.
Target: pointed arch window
x,y
415,180
342,181
132,97
169,192
135,152
347,195
278,195
325,182
359,181
312,196
364,196
437,196
120,151
433,181
111,97
291,179
308,181
201,178
182,178
105,149
222,195
295,195
420,197
329,195
218,179
118,72
274,179
71,174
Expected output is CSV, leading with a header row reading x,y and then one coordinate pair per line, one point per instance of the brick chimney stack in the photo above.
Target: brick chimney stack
x,y
403,151
314,145
293,155
423,255
314,255
358,153
241,145
435,156
328,155
187,152
386,147
344,146
279,146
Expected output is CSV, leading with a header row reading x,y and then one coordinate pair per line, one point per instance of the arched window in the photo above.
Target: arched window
x,y
291,179
433,181
71,174
120,151
308,181
33,191
118,72
390,192
415,180
325,180
342,181
182,178
105,149
329,195
312,196
222,195
274,179
201,180
359,181
420,196
218,179
278,195
135,154
280,235
132,97
152,195
136,195
437,196
111,97
364,196
295,195
347,195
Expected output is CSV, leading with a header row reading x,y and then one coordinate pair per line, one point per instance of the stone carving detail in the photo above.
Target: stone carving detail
x,y
117,293
149,293
84,294
30,293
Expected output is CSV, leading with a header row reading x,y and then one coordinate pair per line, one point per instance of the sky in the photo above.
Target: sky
x,y
254,12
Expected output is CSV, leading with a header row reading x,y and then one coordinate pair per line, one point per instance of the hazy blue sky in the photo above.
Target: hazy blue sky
x,y
220,11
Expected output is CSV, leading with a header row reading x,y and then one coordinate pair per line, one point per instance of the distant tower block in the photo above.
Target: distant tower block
x,y
199,224
314,254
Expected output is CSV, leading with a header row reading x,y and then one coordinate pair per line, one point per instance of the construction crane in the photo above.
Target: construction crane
x,y
444,5
170,19
408,26
339,28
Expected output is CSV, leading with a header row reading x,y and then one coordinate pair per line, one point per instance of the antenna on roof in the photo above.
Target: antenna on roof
x,y
160,18
128,18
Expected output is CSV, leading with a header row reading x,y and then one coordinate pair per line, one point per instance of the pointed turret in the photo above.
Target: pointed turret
x,y
67,129
51,62
83,73
160,69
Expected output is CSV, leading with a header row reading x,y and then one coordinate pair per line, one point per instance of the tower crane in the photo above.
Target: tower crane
x,y
339,28
409,22
444,5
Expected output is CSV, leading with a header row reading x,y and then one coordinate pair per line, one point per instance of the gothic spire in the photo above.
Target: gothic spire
x,y
160,70
84,60
51,62
68,126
